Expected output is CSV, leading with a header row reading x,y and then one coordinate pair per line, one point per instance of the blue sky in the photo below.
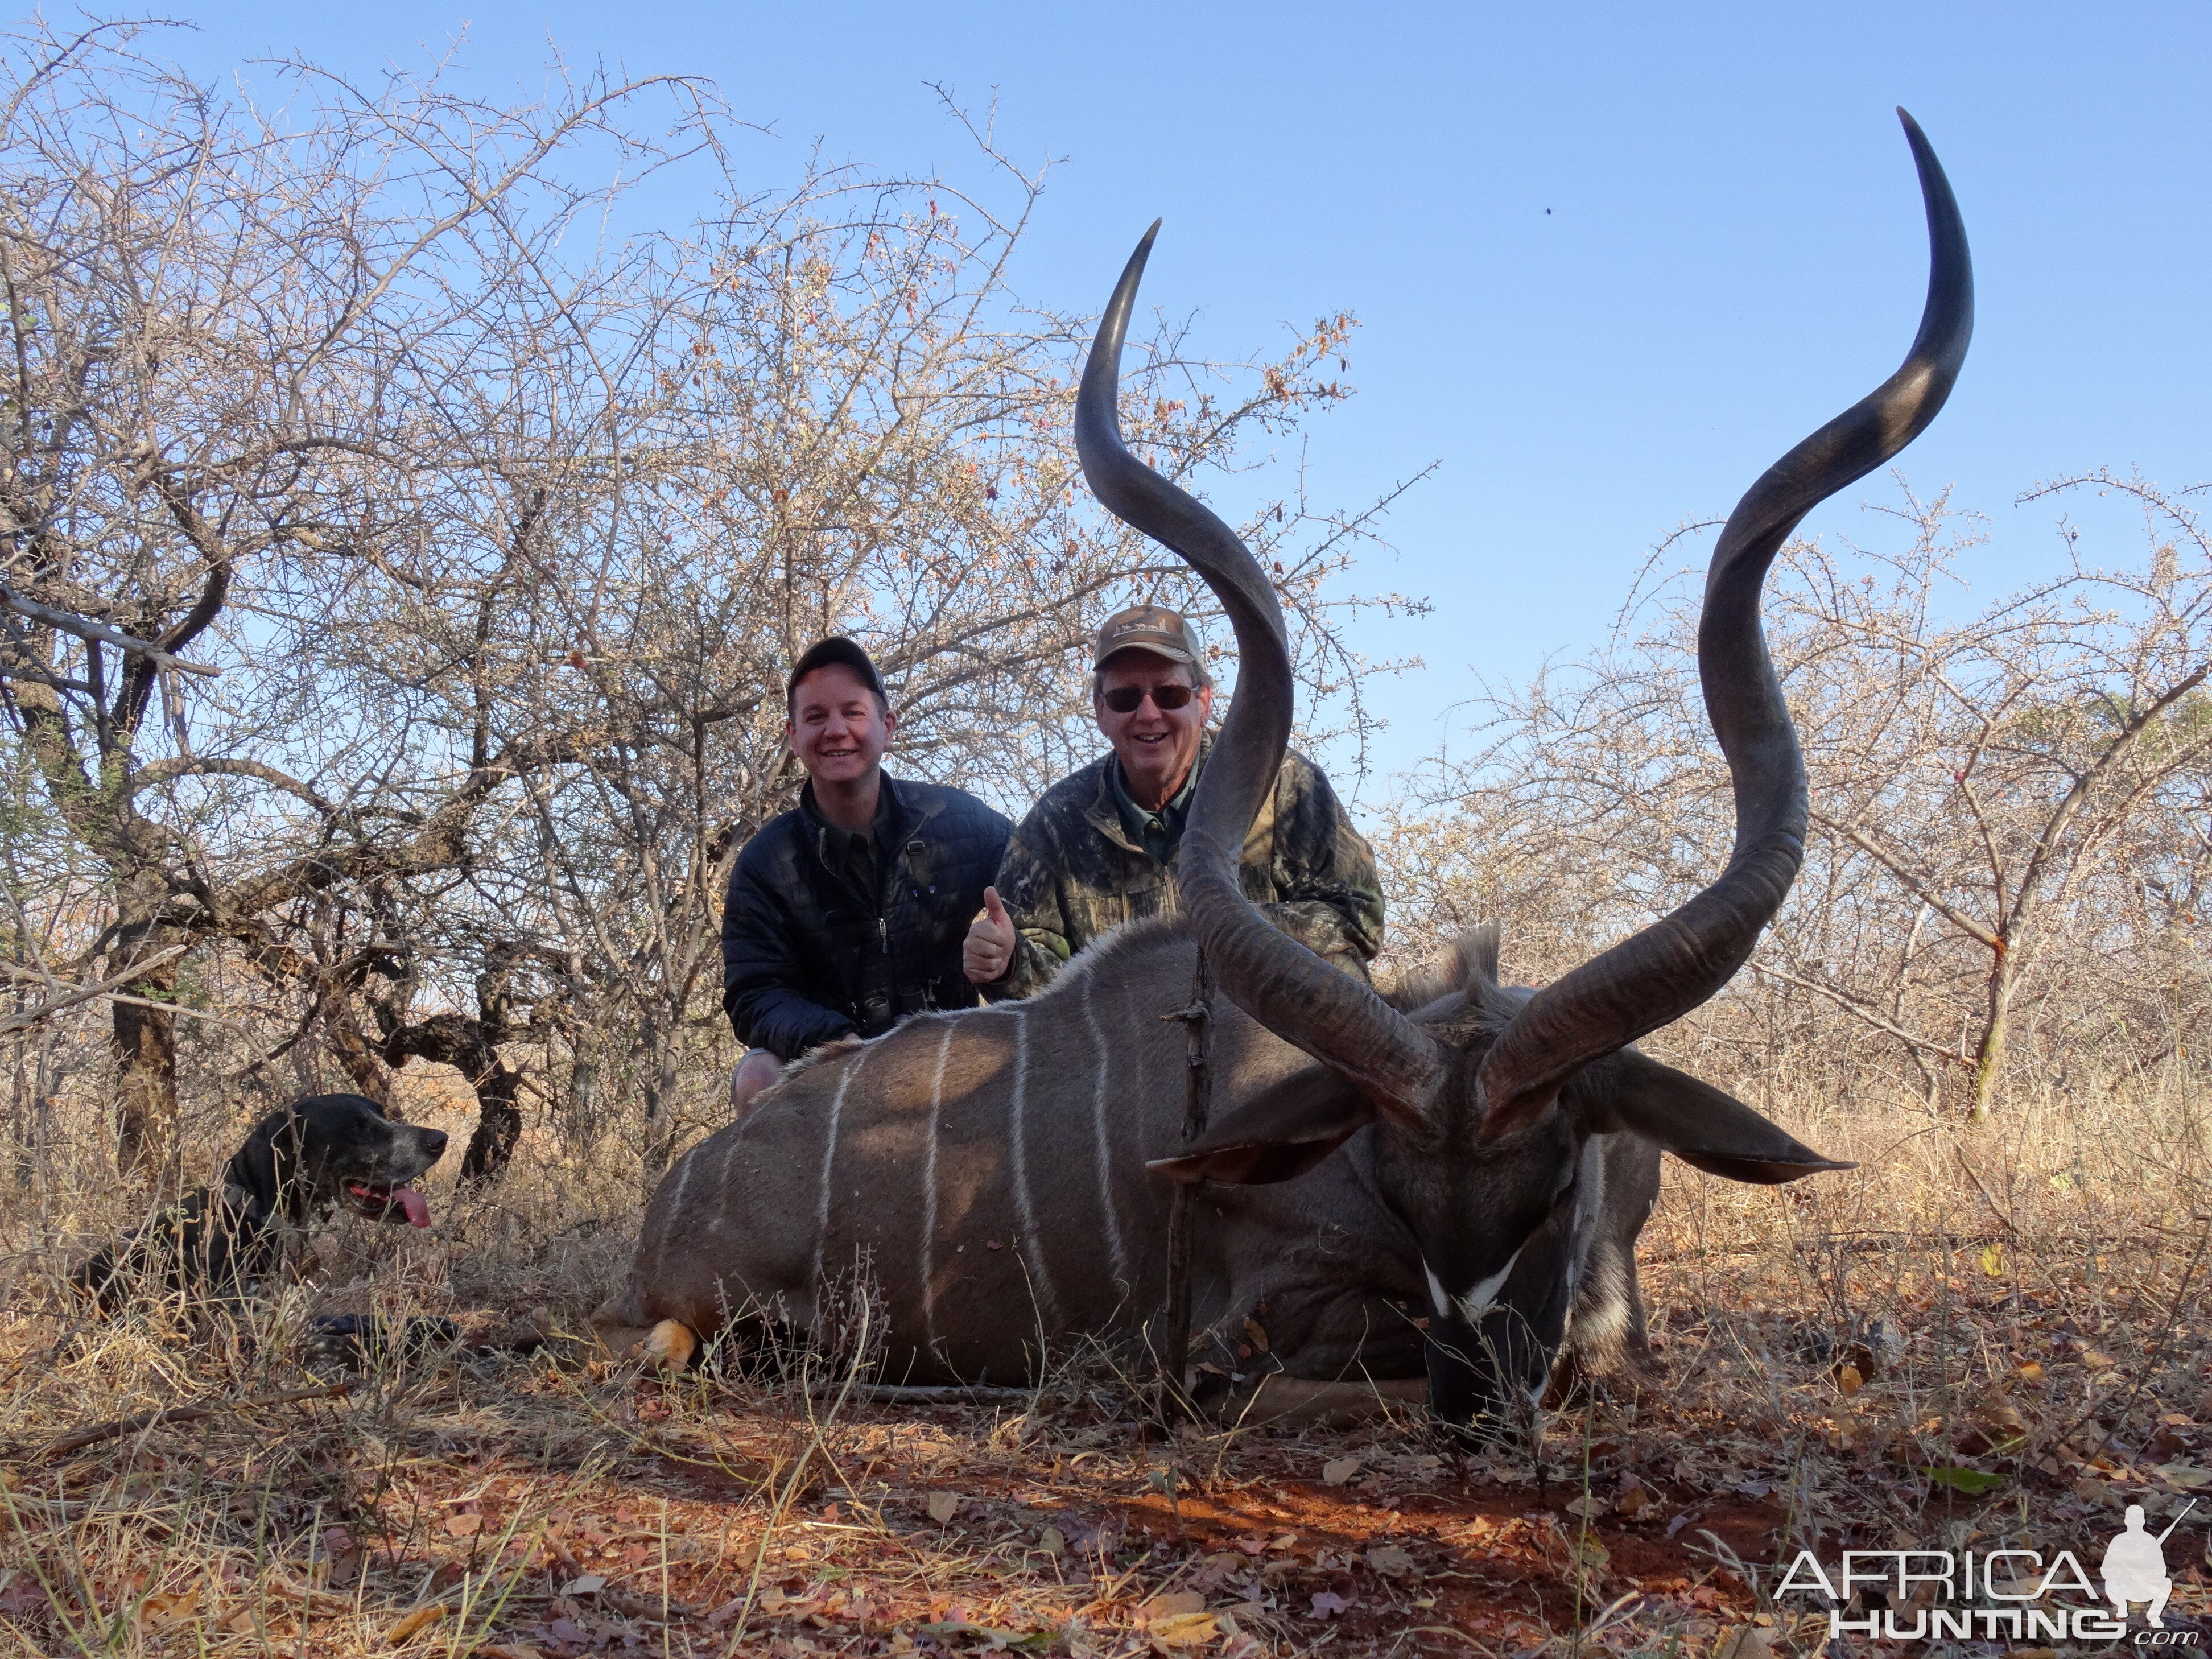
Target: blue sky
x,y
1609,260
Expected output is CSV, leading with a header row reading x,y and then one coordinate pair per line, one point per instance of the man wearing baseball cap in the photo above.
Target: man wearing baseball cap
x,y
847,913
1099,849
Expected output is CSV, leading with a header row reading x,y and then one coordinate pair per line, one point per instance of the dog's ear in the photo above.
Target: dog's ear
x,y
268,1165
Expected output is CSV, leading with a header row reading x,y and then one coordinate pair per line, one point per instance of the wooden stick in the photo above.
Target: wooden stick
x,y
1197,1100
70,623
30,1017
78,1439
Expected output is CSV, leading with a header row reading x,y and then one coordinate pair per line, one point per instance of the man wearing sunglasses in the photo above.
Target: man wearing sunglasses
x,y
1099,849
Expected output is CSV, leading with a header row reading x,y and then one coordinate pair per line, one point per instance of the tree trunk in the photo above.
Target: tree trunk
x,y
582,1117
661,1058
343,1036
470,1048
1997,1031
145,1040
498,1127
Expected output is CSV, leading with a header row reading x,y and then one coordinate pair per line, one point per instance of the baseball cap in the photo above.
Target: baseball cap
x,y
1152,628
836,649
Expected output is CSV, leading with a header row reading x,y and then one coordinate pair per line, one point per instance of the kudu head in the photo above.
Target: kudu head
x,y
1488,1103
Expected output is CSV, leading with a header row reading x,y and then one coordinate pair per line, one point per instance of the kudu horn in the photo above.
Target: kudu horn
x,y
1654,976
1272,977
1662,973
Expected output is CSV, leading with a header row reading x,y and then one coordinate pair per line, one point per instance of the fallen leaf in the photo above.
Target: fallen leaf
x,y
1634,1502
507,1650
1848,1381
1338,1470
1390,1561
2186,1476
1745,1642
159,1610
1970,1481
2031,1370
1326,1604
996,1639
943,1507
1176,1604
1588,1506
2092,1360
420,1619
464,1526
1188,1630
1254,1335
1053,1541
1993,1262
590,1584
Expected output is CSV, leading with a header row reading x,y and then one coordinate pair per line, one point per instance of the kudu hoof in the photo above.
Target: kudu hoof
x,y
667,1347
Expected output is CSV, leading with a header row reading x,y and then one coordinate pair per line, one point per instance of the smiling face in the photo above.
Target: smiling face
x,y
1157,746
837,728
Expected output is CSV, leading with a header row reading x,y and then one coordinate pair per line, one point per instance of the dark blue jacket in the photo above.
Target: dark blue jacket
x,y
806,958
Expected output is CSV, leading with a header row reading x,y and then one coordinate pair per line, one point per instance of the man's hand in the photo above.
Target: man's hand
x,y
988,948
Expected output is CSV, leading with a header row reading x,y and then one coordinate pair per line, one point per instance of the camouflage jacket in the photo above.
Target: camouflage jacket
x,y
1072,872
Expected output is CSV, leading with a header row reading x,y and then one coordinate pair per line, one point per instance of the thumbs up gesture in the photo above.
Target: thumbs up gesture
x,y
989,946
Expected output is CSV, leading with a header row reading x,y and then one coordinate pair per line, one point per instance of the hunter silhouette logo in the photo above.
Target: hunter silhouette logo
x,y
2134,1567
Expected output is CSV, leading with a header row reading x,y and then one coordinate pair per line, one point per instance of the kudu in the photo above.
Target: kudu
x,y
1447,1182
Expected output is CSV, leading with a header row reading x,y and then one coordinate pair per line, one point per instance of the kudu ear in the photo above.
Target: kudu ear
x,y
1278,1135
1701,1125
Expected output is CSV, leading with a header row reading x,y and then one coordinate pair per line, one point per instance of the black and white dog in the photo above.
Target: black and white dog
x,y
324,1151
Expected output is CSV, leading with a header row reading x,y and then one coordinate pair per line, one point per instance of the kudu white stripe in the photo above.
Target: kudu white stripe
x,y
929,1193
1102,1067
829,1159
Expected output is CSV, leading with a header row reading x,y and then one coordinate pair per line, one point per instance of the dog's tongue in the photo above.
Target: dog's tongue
x,y
418,1212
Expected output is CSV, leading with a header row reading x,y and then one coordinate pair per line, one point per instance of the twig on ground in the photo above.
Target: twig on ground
x,y
78,1439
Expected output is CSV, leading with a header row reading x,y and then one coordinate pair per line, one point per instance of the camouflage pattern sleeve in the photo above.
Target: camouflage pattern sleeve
x,y
1029,886
1327,893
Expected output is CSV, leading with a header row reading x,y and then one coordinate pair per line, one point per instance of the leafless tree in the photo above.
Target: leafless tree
x,y
232,335
501,532
2009,811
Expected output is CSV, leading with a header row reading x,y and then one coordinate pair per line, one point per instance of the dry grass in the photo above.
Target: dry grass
x,y
2026,1303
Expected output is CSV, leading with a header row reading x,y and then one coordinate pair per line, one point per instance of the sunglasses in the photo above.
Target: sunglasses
x,y
1127,699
